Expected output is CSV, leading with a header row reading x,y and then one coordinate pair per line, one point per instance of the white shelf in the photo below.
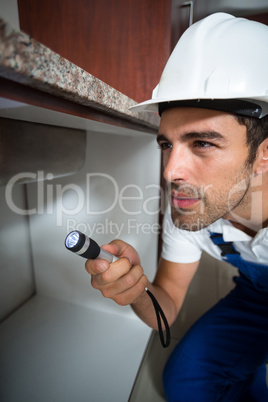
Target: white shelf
x,y
20,111
56,351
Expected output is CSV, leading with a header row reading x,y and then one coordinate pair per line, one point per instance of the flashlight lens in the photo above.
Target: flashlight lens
x,y
72,239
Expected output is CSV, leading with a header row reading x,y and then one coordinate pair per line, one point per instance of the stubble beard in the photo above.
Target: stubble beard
x,y
214,205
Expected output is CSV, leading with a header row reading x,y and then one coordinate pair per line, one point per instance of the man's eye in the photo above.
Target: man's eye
x,y
164,146
203,144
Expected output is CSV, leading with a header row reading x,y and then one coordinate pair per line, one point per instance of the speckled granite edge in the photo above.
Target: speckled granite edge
x,y
24,60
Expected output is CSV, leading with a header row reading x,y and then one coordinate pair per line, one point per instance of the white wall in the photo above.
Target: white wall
x,y
9,11
16,275
124,166
52,334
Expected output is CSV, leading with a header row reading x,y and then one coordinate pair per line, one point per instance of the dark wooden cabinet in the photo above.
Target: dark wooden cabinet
x,y
263,18
125,43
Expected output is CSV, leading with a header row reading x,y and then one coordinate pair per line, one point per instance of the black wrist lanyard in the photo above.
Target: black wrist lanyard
x,y
160,314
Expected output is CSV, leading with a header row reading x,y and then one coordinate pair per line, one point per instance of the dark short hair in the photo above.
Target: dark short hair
x,y
257,132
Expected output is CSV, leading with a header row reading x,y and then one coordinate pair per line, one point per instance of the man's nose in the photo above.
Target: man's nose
x,y
176,165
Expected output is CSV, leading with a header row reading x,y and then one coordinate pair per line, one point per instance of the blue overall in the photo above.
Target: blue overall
x,y
223,356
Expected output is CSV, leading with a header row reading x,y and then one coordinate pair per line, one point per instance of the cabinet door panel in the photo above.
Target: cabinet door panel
x,y
125,43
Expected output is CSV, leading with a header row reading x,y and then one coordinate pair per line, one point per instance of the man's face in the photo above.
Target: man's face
x,y
204,155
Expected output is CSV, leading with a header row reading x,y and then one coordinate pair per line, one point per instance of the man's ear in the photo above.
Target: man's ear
x,y
262,159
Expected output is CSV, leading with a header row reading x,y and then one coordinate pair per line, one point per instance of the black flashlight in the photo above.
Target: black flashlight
x,y
79,243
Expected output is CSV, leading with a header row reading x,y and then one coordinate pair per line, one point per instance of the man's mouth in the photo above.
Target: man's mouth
x,y
180,200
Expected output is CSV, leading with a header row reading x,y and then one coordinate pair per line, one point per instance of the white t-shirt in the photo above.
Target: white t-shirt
x,y
184,247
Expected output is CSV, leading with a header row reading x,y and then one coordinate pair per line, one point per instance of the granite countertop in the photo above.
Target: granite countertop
x,y
28,62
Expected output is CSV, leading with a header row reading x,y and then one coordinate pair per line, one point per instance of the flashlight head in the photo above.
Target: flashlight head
x,y
82,245
72,239
75,241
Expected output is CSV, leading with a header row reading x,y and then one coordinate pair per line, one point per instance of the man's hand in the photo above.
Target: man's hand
x,y
122,281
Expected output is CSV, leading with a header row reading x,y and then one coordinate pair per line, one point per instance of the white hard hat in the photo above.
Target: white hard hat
x,y
220,62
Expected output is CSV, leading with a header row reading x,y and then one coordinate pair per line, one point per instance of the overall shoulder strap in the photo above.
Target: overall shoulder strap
x,y
227,248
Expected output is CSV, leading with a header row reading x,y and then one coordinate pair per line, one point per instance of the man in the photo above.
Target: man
x,y
213,103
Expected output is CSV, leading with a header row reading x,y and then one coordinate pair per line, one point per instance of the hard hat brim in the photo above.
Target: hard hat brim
x,y
242,107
